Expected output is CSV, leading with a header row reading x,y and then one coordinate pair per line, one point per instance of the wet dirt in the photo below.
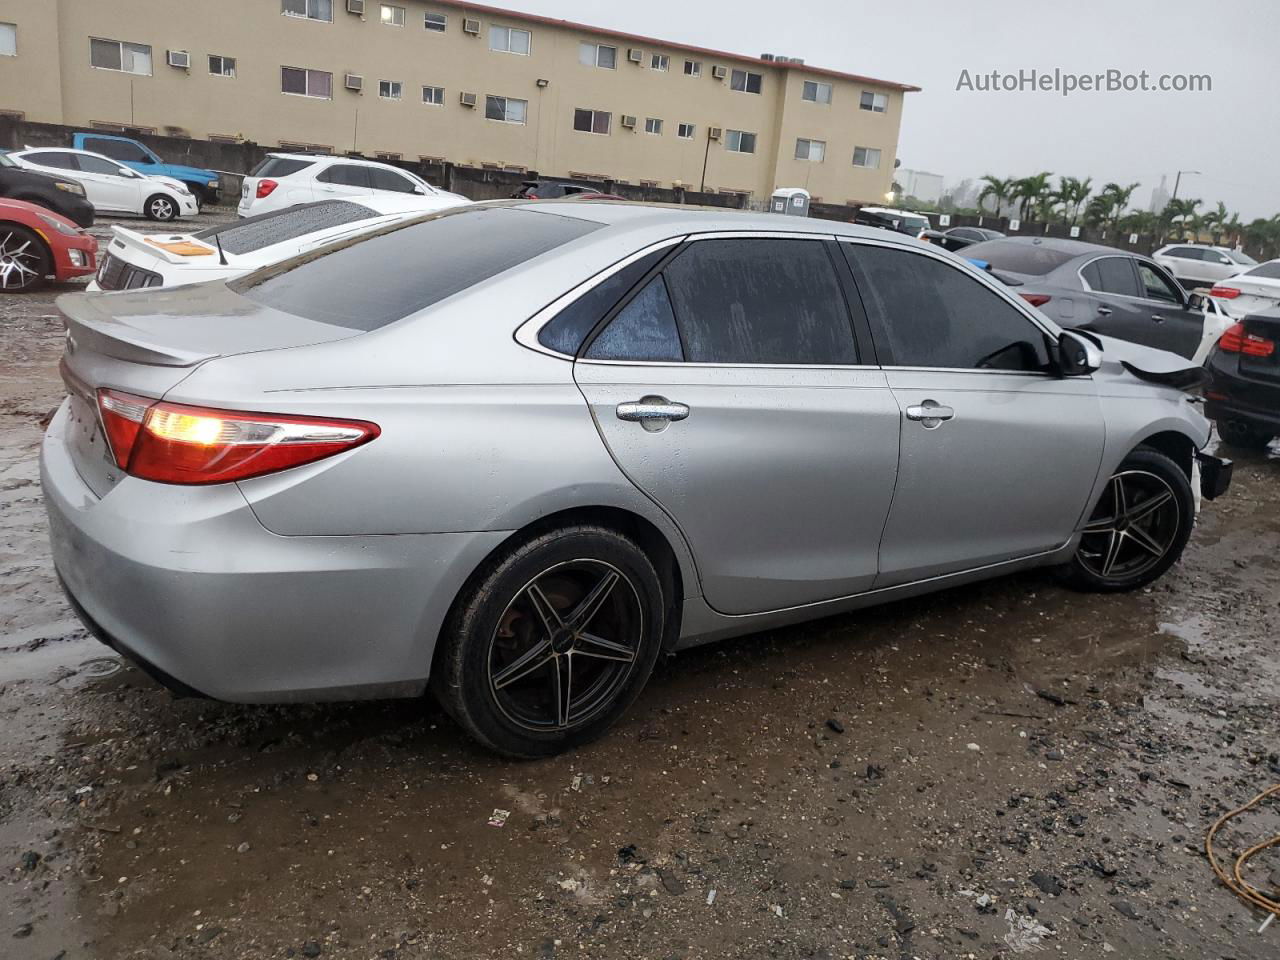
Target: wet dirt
x,y
997,770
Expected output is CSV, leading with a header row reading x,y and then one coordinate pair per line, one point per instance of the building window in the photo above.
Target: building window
x,y
693,68
875,102
653,125
436,22
222,66
433,96
506,109
660,62
816,92
392,16
866,157
745,81
306,83
8,39
509,40
308,9
592,121
739,141
598,55
813,150
116,55
390,89
685,131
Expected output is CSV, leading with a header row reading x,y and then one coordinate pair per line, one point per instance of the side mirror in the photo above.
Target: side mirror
x,y
1077,355
1196,301
419,191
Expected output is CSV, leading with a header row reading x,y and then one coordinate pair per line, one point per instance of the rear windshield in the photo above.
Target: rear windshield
x,y
1268,271
1017,257
382,278
279,167
264,230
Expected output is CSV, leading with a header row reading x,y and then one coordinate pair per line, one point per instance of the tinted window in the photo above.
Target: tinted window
x,y
1269,271
402,269
964,233
117,150
53,158
931,314
1183,253
279,167
264,230
347,174
760,300
1155,285
1112,275
645,329
390,180
1016,256
99,165
569,328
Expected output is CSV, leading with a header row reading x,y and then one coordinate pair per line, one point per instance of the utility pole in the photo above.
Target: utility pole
x,y
706,154
1177,180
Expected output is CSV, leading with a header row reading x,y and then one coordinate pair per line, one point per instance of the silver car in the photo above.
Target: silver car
x,y
514,452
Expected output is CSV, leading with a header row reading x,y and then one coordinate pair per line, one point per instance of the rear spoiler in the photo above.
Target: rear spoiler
x,y
170,251
91,327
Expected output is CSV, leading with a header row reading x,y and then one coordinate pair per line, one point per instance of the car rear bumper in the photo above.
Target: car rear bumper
x,y
187,582
1231,396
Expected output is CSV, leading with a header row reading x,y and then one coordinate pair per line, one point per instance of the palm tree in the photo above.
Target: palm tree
x,y
1071,193
1138,221
1177,211
999,190
1215,221
1111,201
1029,191
1264,236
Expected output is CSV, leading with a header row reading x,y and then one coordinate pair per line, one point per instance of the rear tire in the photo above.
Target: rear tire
x,y
1139,528
1242,434
520,673
25,261
161,207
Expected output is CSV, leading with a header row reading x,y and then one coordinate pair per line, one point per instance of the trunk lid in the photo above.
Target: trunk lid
x,y
1267,326
146,343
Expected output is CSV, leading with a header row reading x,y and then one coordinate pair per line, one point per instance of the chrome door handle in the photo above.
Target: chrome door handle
x,y
652,410
930,413
1104,311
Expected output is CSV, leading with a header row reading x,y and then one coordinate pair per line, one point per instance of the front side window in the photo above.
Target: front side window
x,y
121,150
926,313
744,81
693,68
509,40
346,174
866,157
812,150
306,83
308,9
436,22
660,62
381,179
643,330
653,125
1112,275
392,16
760,300
739,141
592,121
390,89
816,92
222,66
506,109
686,131
100,165
8,39
875,102
1155,285
598,55
433,96
117,55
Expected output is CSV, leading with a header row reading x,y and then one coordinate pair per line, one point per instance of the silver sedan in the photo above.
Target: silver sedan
x,y
512,453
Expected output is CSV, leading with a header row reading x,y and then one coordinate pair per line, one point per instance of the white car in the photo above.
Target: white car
x,y
1253,291
110,186
1199,265
134,260
287,179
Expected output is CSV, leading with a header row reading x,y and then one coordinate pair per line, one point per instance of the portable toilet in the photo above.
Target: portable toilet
x,y
793,201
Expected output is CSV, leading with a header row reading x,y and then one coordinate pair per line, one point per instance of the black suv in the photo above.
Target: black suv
x,y
53,193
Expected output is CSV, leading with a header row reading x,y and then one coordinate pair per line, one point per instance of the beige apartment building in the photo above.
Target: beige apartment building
x,y
470,84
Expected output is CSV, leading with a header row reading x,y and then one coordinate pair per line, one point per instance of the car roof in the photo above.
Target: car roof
x,y
315,157
1074,248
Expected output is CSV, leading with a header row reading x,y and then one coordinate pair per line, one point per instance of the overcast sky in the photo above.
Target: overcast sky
x,y
1231,134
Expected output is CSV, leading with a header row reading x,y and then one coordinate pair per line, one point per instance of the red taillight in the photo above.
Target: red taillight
x,y
265,187
1036,299
173,443
1224,293
1235,340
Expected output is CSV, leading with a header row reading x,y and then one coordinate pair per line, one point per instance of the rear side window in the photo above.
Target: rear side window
x,y
120,150
1018,257
645,329
760,300
390,180
566,331
376,280
1112,275
931,314
347,174
54,158
265,230
279,167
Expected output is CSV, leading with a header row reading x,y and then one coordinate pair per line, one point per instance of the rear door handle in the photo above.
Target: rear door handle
x,y
652,410
1104,311
930,413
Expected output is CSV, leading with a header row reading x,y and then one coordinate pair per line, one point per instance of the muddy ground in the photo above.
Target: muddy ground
x,y
992,771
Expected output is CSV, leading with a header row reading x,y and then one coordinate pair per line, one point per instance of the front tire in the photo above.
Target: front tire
x,y
24,259
552,643
1139,528
161,207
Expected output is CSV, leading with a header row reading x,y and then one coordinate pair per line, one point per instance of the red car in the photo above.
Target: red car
x,y
36,244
